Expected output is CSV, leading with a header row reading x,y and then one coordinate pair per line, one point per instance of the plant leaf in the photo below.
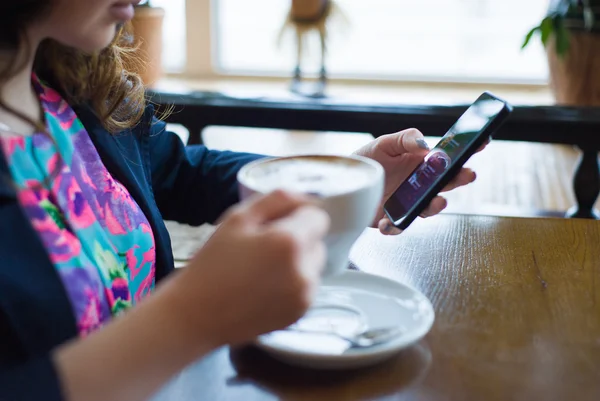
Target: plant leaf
x,y
529,36
546,28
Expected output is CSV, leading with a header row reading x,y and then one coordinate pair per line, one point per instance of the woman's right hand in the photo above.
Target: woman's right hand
x,y
257,273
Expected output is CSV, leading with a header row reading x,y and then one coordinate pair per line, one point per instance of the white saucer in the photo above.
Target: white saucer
x,y
348,304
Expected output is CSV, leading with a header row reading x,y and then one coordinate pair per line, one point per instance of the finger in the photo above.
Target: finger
x,y
486,143
407,141
313,263
387,228
262,209
464,177
435,207
308,224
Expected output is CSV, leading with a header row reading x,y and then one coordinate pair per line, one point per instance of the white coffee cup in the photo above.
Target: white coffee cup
x,y
350,191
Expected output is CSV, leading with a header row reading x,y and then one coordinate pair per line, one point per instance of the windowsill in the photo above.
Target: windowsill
x,y
417,93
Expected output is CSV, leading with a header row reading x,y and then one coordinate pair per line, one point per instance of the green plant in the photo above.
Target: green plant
x,y
564,17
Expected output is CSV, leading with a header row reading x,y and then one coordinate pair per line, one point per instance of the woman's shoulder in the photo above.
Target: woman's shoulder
x,y
144,126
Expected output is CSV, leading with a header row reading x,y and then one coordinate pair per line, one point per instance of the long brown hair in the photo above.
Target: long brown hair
x,y
104,81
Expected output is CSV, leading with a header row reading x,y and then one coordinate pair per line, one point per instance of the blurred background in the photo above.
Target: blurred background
x,y
400,52
403,40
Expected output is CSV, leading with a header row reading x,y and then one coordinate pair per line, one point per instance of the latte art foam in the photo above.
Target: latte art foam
x,y
323,176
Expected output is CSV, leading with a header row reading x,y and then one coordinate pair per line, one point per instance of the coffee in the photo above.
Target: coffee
x,y
319,175
350,189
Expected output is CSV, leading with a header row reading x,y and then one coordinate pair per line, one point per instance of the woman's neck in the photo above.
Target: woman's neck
x,y
19,95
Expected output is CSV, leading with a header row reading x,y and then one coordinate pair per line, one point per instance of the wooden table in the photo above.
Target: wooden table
x,y
517,318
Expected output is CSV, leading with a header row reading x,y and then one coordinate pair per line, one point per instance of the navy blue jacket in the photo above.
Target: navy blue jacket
x,y
169,181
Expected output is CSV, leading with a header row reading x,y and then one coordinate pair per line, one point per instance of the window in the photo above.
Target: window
x,y
430,40
174,47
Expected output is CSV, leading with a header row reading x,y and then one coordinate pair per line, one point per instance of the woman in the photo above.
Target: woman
x,y
88,174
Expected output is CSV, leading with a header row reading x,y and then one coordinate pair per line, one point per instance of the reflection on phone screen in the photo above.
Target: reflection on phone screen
x,y
422,179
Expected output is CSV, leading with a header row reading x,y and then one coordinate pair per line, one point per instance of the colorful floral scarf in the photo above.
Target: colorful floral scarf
x,y
94,232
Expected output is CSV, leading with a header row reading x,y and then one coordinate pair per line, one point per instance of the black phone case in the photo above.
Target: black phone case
x,y
457,165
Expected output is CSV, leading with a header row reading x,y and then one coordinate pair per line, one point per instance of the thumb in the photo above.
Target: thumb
x,y
407,141
273,206
308,224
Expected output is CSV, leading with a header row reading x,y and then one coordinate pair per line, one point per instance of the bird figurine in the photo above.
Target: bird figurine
x,y
306,17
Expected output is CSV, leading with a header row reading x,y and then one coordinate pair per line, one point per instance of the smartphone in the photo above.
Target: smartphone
x,y
445,160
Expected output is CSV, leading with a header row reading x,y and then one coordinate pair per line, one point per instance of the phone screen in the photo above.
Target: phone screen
x,y
461,136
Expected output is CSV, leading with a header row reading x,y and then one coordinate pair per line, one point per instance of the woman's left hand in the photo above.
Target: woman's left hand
x,y
400,154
